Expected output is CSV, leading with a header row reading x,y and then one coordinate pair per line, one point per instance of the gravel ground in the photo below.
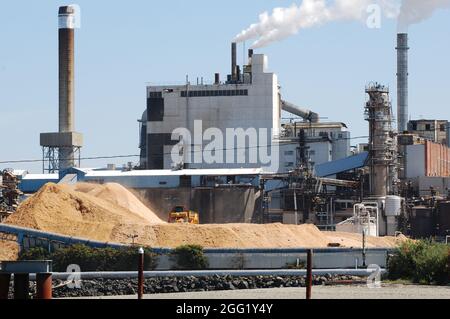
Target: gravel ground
x,y
318,292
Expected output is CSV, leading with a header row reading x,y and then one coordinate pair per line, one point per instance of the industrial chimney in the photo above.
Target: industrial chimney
x,y
402,81
234,70
66,68
66,143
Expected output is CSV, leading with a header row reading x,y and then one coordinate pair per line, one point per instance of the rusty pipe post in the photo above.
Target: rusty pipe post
x,y
4,286
141,273
309,277
44,286
21,286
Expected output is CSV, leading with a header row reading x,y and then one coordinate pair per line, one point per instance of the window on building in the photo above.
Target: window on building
x,y
289,164
288,153
443,128
312,152
208,93
427,127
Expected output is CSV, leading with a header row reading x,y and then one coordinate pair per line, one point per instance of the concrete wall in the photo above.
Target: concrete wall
x,y
415,155
429,159
440,184
281,258
214,205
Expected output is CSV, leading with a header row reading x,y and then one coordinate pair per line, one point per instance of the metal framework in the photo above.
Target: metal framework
x,y
51,160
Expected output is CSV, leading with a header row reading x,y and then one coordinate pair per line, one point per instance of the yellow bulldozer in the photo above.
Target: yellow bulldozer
x,y
181,215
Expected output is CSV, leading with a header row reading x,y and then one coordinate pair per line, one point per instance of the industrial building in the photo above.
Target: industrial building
x,y
326,142
242,113
432,130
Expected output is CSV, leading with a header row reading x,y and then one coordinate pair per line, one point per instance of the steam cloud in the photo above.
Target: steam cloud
x,y
284,22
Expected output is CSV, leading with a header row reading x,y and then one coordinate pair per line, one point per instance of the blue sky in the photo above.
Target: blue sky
x,y
121,46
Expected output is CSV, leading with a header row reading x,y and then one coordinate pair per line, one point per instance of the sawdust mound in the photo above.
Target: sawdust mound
x,y
9,251
355,240
61,209
119,195
111,213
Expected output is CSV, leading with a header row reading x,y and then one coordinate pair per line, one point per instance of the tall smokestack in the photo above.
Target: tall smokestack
x,y
234,77
66,17
66,141
402,81
66,68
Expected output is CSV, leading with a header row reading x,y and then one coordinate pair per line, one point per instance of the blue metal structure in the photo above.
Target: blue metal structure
x,y
342,165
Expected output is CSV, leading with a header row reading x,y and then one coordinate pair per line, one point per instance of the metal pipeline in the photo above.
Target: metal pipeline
x,y
303,113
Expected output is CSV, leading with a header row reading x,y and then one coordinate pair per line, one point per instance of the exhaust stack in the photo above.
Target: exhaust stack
x,y
234,70
66,68
66,143
402,82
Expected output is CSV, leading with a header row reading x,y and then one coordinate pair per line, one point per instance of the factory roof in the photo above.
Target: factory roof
x,y
186,172
41,177
342,165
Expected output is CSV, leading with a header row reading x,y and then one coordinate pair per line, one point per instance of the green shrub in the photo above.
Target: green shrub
x,y
189,257
423,262
35,253
94,259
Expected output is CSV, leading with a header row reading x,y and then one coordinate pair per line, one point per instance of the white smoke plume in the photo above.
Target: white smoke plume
x,y
416,11
284,22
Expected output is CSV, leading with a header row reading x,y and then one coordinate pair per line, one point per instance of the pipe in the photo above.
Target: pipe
x,y
141,273
303,113
402,81
5,279
21,286
44,286
309,276
234,62
250,53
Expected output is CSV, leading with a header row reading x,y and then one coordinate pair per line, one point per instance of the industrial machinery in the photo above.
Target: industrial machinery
x,y
181,215
9,194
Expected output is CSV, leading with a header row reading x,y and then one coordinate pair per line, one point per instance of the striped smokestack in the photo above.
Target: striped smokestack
x,y
402,81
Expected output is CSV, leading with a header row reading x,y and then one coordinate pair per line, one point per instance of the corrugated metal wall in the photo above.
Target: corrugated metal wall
x,y
437,160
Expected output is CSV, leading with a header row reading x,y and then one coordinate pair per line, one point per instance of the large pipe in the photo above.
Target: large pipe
x,y
66,34
234,62
448,134
402,81
303,113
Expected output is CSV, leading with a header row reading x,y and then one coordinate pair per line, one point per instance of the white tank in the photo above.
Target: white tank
x,y
393,206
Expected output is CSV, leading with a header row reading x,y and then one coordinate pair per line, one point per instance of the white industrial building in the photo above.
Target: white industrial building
x,y
325,142
232,124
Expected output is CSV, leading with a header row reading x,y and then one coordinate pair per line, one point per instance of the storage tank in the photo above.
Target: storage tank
x,y
393,206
